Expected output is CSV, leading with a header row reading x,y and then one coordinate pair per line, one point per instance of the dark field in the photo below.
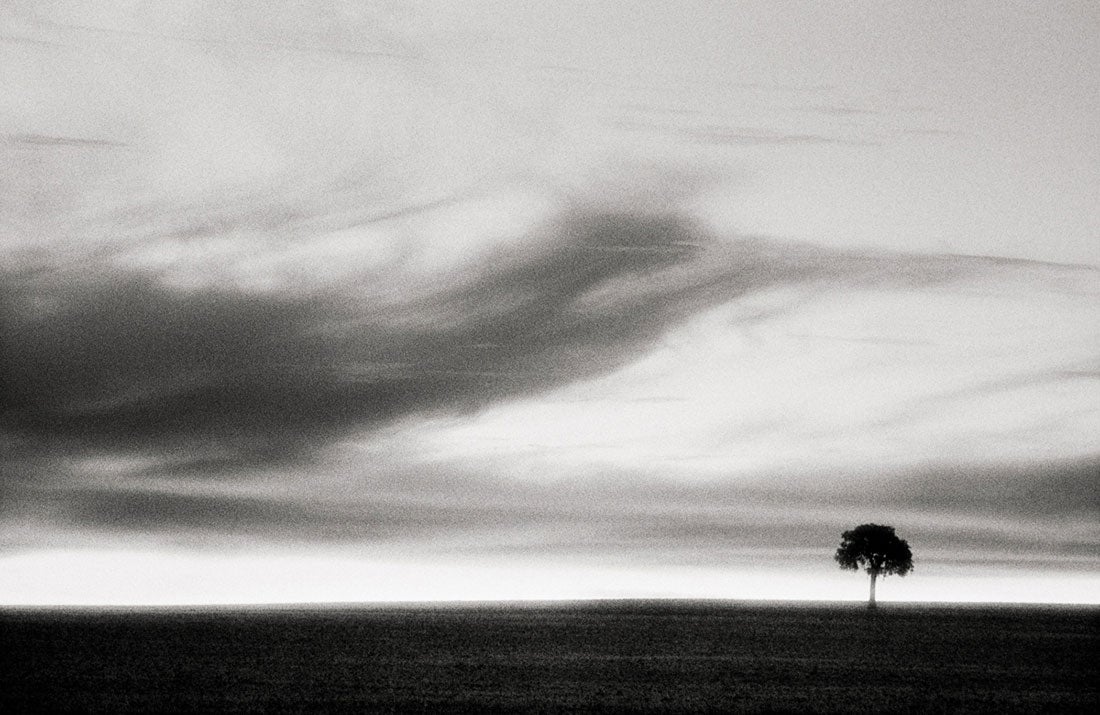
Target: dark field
x,y
611,656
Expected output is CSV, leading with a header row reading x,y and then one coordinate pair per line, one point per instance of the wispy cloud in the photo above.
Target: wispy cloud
x,y
741,136
839,110
61,141
750,136
1040,513
125,359
230,401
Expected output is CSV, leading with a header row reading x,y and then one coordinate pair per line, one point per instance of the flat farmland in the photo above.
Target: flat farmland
x,y
591,657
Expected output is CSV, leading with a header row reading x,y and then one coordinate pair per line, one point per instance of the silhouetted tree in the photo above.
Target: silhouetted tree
x,y
877,549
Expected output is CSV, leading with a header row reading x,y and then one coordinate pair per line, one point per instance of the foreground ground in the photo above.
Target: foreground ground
x,y
662,656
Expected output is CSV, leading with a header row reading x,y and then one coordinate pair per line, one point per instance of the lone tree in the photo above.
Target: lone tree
x,y
877,549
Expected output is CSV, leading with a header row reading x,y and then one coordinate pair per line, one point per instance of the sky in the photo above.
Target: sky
x,y
375,301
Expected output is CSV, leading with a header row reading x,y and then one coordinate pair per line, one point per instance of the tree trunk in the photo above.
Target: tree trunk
x,y
871,602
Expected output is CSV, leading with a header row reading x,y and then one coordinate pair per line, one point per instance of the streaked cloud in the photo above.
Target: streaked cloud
x,y
46,140
131,359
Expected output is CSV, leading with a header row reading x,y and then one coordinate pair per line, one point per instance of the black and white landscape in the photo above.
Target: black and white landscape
x,y
630,306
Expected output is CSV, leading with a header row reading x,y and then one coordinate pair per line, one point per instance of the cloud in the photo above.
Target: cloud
x,y
17,40
949,514
839,110
1038,491
60,141
933,404
121,361
753,136
239,43
740,136
172,401
105,358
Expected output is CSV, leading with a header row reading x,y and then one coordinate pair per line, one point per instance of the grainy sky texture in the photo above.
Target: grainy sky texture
x,y
395,300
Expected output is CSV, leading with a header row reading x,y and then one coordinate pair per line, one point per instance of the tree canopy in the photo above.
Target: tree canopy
x,y
877,550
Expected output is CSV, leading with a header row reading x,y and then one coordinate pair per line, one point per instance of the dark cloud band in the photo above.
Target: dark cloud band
x,y
124,362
